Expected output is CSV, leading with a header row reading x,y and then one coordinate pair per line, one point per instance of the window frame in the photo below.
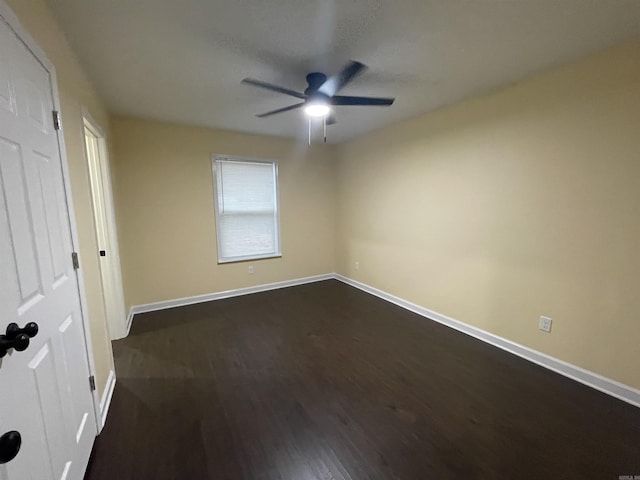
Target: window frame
x,y
276,185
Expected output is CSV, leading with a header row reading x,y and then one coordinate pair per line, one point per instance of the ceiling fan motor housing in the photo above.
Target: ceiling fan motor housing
x,y
315,81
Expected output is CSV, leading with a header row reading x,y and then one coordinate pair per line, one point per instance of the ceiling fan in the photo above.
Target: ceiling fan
x,y
321,92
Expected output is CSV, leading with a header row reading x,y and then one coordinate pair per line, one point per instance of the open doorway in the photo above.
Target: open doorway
x,y
105,225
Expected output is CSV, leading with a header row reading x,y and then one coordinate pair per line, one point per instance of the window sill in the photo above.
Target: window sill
x,y
250,259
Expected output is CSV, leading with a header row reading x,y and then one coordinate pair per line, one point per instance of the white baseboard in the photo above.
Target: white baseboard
x,y
181,302
593,380
129,321
105,401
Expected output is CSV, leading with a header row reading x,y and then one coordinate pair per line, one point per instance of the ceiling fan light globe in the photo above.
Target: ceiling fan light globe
x,y
317,110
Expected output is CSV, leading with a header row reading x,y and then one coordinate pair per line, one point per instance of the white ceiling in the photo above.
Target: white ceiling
x,y
182,60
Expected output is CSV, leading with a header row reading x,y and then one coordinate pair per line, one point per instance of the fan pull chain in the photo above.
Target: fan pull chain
x,y
324,122
324,128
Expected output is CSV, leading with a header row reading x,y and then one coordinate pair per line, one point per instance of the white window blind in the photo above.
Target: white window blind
x,y
247,220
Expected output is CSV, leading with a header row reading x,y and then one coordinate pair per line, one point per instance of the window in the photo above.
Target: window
x,y
246,198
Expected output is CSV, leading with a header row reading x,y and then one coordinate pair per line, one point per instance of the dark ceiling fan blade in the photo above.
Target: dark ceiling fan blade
x,y
280,110
339,80
362,101
273,88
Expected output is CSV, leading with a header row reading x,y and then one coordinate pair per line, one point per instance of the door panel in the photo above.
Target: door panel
x,y
21,224
45,392
43,370
54,227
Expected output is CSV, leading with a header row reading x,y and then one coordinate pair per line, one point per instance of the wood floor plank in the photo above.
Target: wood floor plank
x,y
325,382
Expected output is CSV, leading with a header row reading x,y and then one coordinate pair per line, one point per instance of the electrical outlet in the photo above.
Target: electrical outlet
x,y
545,324
250,269
356,265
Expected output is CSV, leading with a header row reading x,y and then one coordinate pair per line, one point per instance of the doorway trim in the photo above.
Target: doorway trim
x,y
14,23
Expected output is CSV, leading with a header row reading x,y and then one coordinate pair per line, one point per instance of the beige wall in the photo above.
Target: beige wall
x,y
510,206
495,211
165,209
75,92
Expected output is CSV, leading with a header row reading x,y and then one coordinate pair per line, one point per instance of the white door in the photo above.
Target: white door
x,y
104,221
44,390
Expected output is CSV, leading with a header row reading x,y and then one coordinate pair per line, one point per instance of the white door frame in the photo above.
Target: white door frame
x,y
12,20
113,292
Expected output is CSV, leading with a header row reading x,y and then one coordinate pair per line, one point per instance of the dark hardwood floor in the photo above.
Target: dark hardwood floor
x,y
323,382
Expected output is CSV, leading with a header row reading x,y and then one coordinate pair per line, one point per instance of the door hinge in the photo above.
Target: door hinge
x,y
92,382
74,259
56,120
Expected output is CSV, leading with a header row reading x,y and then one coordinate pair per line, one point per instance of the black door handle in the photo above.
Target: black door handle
x,y
17,338
10,444
13,330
